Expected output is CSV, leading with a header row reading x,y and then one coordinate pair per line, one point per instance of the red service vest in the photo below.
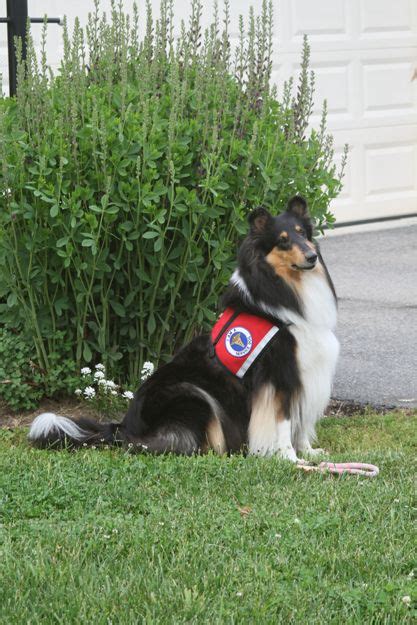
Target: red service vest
x,y
239,338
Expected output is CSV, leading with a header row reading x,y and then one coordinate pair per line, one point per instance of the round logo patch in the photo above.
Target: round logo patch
x,y
238,342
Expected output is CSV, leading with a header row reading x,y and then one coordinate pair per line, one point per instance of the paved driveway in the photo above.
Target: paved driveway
x,y
375,275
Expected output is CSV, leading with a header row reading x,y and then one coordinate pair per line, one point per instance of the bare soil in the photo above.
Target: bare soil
x,y
64,407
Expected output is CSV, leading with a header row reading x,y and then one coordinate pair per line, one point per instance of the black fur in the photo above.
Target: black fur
x,y
168,414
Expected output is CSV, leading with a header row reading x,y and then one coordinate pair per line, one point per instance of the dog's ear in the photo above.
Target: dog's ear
x,y
259,220
298,206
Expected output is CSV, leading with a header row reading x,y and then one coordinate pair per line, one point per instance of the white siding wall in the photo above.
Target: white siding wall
x,y
364,53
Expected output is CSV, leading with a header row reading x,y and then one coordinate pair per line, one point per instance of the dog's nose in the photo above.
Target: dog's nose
x,y
311,257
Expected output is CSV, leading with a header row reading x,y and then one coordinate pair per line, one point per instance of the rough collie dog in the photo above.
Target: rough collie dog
x,y
278,326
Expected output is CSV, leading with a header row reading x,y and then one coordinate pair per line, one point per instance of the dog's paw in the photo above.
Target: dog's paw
x,y
287,453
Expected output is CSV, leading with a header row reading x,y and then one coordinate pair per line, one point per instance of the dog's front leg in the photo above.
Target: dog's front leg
x,y
269,427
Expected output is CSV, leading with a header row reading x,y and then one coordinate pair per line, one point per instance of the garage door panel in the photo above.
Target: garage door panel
x,y
390,169
322,19
401,93
381,175
333,83
386,18
347,24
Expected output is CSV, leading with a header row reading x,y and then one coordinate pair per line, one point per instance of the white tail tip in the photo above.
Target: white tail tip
x,y
47,424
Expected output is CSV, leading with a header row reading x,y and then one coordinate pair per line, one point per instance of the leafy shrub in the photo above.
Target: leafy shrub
x,y
22,382
126,179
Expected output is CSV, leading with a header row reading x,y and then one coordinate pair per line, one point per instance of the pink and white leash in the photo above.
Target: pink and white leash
x,y
340,468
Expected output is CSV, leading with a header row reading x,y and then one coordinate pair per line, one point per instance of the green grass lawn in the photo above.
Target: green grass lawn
x,y
106,537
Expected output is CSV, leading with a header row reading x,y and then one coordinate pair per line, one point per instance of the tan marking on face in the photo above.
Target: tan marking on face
x,y
284,234
298,229
215,437
282,260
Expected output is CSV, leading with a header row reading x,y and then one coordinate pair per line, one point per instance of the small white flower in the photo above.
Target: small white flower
x,y
277,535
107,384
89,392
113,392
93,447
98,375
147,370
78,391
85,371
128,395
406,599
297,521
100,367
239,594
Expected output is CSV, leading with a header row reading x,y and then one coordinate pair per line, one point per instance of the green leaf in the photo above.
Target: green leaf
x,y
150,235
12,300
151,325
118,309
129,298
54,210
87,354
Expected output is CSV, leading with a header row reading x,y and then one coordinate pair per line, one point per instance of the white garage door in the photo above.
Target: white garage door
x,y
364,53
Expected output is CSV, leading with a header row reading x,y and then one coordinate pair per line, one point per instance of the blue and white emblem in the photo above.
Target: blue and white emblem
x,y
238,342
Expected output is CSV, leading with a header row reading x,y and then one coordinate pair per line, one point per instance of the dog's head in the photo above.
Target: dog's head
x,y
285,241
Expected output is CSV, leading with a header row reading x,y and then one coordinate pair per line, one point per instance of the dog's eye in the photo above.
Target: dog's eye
x,y
300,230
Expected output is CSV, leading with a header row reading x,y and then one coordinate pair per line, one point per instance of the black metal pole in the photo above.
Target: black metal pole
x,y
16,20
17,15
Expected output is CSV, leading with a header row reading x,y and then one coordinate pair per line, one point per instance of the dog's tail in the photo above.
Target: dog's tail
x,y
52,430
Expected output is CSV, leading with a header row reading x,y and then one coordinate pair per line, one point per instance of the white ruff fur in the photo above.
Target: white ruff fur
x,y
48,423
317,351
